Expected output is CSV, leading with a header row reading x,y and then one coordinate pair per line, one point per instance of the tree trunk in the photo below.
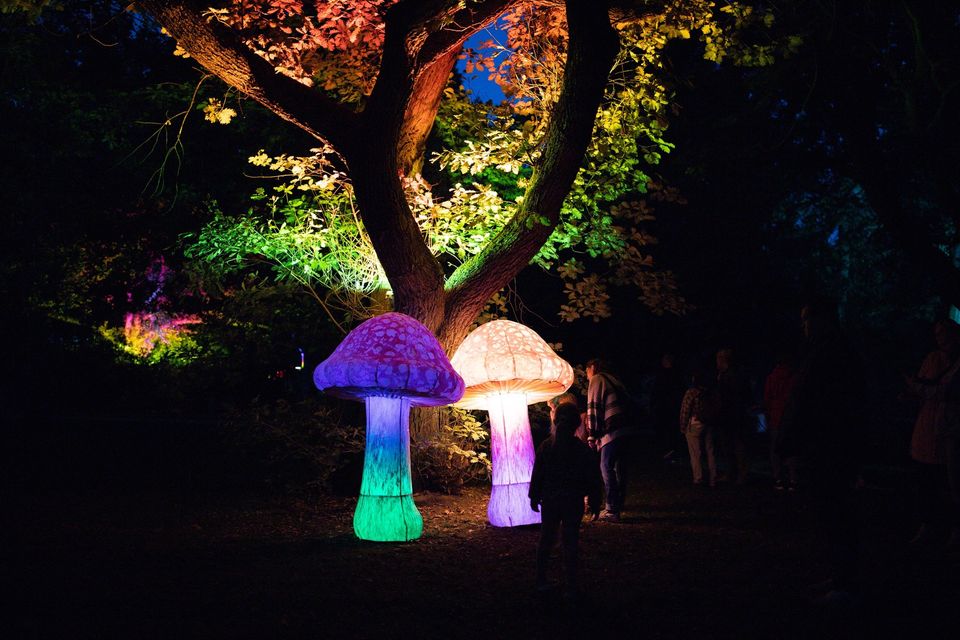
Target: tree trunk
x,y
421,112
425,423
593,45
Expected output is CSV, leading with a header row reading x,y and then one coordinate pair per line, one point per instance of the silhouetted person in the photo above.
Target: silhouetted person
x,y
732,419
581,432
569,398
776,392
823,424
608,430
929,442
698,413
665,397
564,472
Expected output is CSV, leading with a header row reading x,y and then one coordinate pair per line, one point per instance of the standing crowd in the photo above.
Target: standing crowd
x,y
813,403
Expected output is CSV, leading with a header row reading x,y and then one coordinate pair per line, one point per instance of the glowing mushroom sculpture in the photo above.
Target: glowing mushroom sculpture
x,y
507,366
392,363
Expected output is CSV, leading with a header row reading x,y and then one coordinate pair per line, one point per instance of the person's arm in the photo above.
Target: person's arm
x,y
698,406
595,407
924,384
685,407
789,435
768,394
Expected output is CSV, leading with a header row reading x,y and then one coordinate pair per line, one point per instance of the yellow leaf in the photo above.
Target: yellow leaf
x,y
225,115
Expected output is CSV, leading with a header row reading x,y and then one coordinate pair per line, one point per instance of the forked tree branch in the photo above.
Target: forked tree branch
x,y
593,45
220,51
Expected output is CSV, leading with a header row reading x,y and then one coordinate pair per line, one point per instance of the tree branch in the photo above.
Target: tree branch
x,y
593,45
477,15
421,112
220,52
460,26
376,168
433,38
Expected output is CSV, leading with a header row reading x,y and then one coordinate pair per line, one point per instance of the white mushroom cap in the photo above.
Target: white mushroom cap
x,y
507,357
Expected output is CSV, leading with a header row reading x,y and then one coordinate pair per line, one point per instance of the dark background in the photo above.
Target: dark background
x,y
214,498
774,212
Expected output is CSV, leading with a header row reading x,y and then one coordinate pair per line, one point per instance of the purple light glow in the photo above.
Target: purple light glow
x,y
512,454
390,355
507,366
391,362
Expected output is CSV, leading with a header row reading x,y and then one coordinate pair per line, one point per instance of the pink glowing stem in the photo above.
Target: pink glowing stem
x,y
512,456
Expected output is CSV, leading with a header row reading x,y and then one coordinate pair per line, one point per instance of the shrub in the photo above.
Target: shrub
x,y
295,444
460,456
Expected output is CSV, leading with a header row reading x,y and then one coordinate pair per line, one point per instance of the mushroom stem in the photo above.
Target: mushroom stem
x,y
385,511
512,457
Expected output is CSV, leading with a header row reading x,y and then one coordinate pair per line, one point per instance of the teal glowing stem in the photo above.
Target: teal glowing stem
x,y
385,511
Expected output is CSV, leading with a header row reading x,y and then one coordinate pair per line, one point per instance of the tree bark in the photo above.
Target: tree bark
x,y
593,45
386,140
221,53
421,111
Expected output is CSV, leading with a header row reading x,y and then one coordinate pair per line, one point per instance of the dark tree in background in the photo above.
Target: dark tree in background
x,y
834,169
109,160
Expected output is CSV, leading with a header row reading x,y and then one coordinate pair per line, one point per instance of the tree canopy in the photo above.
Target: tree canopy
x,y
557,173
782,190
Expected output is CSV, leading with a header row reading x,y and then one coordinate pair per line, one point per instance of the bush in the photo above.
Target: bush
x,y
459,457
308,445
295,445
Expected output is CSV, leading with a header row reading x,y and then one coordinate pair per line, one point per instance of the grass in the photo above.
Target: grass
x,y
733,562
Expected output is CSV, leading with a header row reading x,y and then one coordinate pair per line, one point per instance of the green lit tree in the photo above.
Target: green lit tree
x,y
587,110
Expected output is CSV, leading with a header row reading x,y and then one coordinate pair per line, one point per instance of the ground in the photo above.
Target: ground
x,y
686,562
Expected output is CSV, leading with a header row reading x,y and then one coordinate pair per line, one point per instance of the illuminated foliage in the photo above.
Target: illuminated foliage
x,y
32,8
155,334
334,45
554,176
156,337
306,230
612,199
308,227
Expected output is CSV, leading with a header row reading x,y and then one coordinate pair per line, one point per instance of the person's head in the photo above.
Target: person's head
x,y
566,419
818,316
565,398
724,359
946,334
667,360
595,366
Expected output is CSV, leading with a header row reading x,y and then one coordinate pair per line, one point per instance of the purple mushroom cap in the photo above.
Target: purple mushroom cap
x,y
390,355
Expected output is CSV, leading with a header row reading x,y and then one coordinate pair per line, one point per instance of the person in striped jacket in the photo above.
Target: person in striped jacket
x,y
608,430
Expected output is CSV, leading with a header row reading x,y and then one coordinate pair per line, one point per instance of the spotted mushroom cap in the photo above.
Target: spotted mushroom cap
x,y
390,355
507,357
